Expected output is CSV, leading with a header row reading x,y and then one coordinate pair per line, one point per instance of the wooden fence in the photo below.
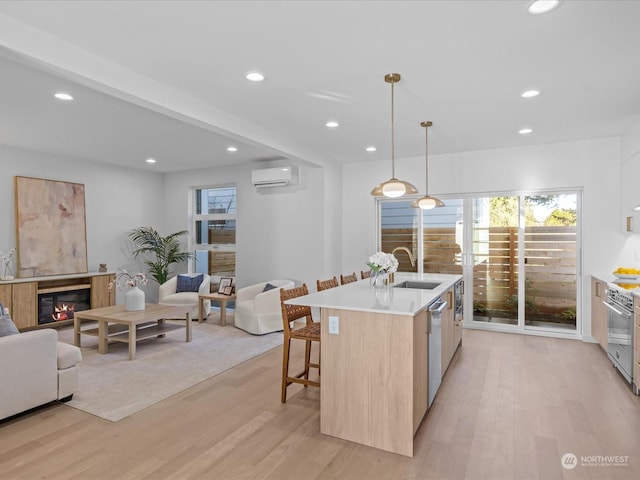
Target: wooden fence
x,y
550,265
222,264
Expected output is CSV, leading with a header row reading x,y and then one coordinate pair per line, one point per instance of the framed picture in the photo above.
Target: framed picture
x,y
51,227
228,290
224,283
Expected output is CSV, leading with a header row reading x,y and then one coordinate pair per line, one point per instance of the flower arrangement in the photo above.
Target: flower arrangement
x,y
381,262
126,279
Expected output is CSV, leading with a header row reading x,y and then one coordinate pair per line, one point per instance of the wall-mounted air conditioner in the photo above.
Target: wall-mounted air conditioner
x,y
274,177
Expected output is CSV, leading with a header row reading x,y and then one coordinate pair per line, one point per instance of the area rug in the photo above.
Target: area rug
x,y
112,387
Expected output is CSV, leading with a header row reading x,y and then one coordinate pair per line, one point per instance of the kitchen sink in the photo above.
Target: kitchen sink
x,y
418,284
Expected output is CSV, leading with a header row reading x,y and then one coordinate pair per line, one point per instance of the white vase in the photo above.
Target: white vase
x,y
134,300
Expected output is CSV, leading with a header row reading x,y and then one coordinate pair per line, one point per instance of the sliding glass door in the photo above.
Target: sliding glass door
x,y
550,261
496,223
519,257
530,237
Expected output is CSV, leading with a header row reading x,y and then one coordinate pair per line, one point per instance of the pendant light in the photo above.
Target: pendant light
x,y
427,202
393,188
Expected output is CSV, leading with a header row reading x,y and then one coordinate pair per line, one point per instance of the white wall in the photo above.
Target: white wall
x,y
116,201
280,231
630,197
593,165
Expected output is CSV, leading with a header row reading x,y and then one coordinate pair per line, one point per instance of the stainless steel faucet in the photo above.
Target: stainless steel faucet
x,y
408,252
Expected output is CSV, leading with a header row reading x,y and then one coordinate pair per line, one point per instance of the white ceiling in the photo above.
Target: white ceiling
x,y
166,79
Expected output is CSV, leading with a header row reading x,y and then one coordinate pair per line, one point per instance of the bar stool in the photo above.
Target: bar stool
x,y
327,284
309,333
364,275
344,279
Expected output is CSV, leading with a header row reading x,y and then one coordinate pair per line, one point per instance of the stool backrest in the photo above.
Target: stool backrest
x,y
327,284
294,312
344,279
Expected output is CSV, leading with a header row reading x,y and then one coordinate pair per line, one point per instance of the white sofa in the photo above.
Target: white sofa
x,y
259,312
167,295
36,369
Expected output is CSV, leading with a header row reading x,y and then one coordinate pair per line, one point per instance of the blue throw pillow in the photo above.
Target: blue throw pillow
x,y
7,327
189,283
268,287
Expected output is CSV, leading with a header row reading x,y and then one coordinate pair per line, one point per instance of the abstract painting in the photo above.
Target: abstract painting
x,y
51,227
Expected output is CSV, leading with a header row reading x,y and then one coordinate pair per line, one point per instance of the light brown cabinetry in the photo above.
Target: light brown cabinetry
x,y
21,296
598,312
374,378
20,299
457,332
5,295
24,301
101,294
420,368
451,330
447,331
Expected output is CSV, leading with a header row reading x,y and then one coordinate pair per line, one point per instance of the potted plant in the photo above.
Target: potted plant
x,y
165,251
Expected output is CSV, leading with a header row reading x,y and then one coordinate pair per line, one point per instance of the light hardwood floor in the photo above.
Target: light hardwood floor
x,y
509,407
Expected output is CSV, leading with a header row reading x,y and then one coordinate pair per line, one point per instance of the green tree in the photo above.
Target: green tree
x,y
505,212
562,217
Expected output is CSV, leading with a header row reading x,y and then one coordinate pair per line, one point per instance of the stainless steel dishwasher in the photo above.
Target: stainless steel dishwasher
x,y
435,346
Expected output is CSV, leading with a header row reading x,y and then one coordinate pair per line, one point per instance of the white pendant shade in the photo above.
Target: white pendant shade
x,y
393,188
427,203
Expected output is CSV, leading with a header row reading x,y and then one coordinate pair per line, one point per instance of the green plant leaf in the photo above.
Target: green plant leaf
x,y
164,251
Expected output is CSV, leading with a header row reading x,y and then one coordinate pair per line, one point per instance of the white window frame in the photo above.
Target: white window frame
x,y
195,218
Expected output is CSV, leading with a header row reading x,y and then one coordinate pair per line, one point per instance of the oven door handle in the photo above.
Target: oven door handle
x,y
624,314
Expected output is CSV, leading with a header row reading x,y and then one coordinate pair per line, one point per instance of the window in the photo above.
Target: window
x,y
214,230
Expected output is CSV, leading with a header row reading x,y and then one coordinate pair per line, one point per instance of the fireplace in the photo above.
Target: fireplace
x,y
60,305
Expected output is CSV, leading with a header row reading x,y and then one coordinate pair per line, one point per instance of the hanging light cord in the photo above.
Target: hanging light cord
x,y
426,126
426,170
393,136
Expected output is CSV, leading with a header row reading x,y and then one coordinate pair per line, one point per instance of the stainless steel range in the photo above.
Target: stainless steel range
x,y
620,330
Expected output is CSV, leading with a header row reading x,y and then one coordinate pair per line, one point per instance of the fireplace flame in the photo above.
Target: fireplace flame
x,y
63,312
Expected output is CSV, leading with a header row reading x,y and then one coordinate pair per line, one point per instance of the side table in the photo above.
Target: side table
x,y
218,297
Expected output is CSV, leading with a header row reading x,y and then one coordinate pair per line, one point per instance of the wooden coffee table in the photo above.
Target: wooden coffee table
x,y
117,325
218,297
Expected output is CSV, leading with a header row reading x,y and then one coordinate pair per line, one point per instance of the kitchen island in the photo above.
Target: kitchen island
x,y
374,357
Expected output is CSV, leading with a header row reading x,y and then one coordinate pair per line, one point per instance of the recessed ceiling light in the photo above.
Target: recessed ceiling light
x,y
150,160
371,149
530,93
525,131
232,149
332,124
536,7
63,96
254,77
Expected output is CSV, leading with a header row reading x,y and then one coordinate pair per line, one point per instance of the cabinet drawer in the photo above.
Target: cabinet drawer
x,y
636,304
636,373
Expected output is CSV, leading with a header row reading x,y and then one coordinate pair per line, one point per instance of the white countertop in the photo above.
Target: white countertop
x,y
359,296
621,283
